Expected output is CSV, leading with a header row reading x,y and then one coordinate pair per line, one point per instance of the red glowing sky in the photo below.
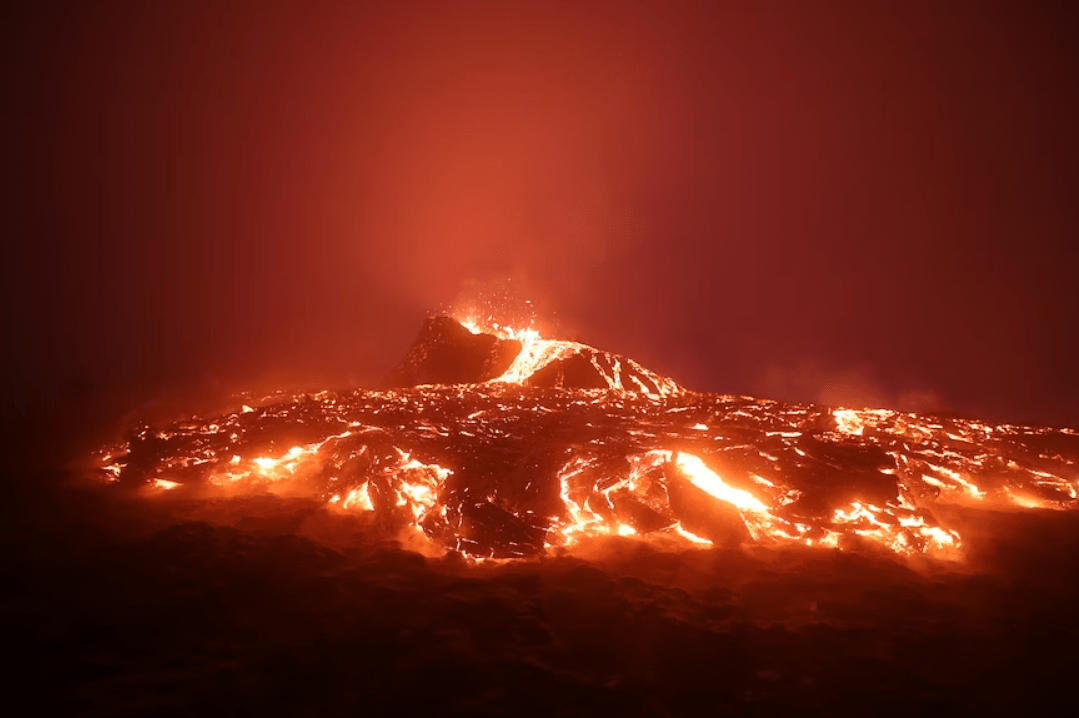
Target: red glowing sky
x,y
844,202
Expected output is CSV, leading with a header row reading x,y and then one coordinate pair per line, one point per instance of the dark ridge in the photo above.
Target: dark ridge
x,y
574,372
447,353
590,368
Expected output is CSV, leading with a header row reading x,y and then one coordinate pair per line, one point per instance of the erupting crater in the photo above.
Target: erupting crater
x,y
497,443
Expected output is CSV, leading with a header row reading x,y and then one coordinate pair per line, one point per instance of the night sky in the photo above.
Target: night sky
x,y
854,203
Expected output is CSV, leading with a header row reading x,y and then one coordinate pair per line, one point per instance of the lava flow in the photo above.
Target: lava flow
x,y
501,444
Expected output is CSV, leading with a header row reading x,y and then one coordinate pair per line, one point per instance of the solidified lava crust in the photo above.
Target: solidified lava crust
x,y
528,455
670,553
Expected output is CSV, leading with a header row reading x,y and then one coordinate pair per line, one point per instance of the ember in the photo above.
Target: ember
x,y
496,443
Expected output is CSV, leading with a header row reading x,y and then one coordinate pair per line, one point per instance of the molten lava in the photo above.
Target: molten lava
x,y
503,444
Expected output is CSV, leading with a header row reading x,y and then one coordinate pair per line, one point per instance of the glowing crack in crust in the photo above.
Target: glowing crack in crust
x,y
501,469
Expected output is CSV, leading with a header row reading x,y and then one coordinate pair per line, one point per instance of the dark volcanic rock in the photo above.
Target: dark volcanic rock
x,y
538,458
717,521
447,353
574,372
589,368
257,564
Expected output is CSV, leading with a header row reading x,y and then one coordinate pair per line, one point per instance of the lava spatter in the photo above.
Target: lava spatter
x,y
502,444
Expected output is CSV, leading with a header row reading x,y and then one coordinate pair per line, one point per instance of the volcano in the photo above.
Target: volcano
x,y
500,444
515,525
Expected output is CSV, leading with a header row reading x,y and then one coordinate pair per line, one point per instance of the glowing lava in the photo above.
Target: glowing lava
x,y
526,461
